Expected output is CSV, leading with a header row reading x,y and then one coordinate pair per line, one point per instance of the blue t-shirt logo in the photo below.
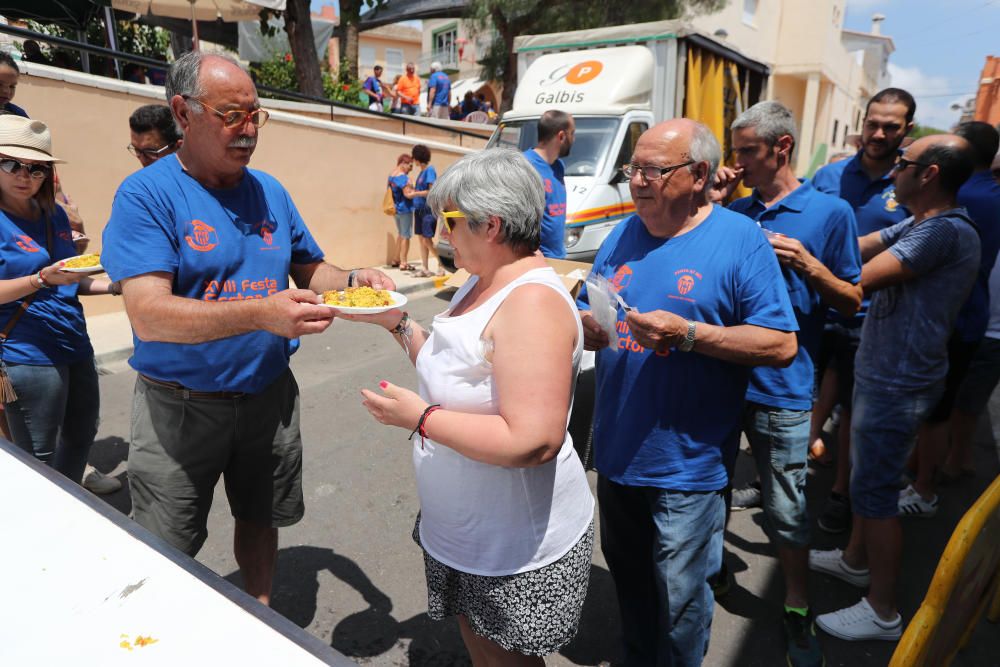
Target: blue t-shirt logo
x,y
623,276
890,200
685,283
266,230
26,243
201,236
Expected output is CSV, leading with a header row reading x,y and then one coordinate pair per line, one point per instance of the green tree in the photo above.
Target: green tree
x,y
298,25
509,18
347,33
924,130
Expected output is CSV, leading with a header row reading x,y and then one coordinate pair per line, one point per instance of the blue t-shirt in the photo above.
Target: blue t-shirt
x,y
904,342
441,84
425,179
53,331
397,185
672,420
220,245
874,203
14,109
980,195
553,241
375,87
825,226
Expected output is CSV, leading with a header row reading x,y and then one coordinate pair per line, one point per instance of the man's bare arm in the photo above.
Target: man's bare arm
x,y
159,315
871,245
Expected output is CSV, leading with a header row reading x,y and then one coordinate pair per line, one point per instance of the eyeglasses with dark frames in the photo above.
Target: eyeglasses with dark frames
x,y
235,117
12,166
902,163
154,153
652,172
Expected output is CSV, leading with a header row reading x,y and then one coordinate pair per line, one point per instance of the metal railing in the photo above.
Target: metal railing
x,y
272,93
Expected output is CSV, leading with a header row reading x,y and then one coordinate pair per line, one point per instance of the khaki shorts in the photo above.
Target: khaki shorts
x,y
181,446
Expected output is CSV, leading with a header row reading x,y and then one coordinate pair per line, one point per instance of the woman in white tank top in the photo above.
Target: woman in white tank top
x,y
506,518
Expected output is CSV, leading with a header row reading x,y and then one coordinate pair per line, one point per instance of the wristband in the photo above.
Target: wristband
x,y
401,328
115,289
421,428
351,277
41,280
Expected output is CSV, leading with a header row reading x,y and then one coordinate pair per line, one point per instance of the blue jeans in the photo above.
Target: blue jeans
x,y
884,426
55,414
779,440
662,547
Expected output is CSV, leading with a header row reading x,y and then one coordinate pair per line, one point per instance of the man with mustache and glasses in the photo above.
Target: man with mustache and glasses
x,y
556,132
203,247
865,182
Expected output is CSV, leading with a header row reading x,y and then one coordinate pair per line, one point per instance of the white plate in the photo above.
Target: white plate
x,y
399,300
97,268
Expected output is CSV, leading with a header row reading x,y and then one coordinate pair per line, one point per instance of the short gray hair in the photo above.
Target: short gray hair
x,y
705,148
184,75
435,66
770,120
501,182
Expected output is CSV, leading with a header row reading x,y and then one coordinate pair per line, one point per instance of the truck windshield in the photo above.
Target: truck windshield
x,y
590,148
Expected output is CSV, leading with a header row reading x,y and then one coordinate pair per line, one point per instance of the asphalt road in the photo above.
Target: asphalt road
x,y
350,574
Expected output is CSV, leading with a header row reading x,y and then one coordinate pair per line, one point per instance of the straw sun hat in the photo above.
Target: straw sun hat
x,y
26,139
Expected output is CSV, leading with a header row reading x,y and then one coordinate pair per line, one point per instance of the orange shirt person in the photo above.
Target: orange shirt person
x,y
408,90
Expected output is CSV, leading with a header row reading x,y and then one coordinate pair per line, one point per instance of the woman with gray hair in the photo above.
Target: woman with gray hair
x,y
506,521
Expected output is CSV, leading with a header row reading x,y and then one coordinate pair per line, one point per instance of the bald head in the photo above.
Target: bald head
x,y
953,156
191,73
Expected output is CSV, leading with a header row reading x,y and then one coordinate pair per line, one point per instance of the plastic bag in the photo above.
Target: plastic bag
x,y
603,307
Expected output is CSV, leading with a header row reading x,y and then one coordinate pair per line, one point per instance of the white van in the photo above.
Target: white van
x,y
615,93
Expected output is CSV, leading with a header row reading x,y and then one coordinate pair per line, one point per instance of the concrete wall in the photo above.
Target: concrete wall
x,y
335,172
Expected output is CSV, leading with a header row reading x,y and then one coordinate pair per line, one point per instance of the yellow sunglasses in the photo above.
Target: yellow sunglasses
x,y
446,219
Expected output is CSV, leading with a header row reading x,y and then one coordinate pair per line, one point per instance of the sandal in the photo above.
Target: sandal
x,y
423,274
394,264
407,267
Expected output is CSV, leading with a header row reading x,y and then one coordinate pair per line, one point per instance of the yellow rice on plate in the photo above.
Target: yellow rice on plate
x,y
358,297
83,261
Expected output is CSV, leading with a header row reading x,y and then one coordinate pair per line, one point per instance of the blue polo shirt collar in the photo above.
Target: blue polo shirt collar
x,y
794,201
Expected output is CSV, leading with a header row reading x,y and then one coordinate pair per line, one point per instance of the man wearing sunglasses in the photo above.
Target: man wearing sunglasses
x,y
707,303
153,133
919,272
865,182
204,248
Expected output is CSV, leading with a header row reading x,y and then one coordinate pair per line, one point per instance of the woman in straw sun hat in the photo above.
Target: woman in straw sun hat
x,y
48,381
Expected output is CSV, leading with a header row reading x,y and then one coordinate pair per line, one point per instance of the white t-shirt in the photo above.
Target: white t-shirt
x,y
480,518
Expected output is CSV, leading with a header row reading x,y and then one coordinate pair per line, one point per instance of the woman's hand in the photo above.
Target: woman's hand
x,y
53,276
387,320
396,406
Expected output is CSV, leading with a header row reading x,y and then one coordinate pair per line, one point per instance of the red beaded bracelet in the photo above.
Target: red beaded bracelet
x,y
421,428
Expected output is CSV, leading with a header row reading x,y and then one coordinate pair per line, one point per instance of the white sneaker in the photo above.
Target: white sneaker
x,y
912,503
97,482
832,562
860,622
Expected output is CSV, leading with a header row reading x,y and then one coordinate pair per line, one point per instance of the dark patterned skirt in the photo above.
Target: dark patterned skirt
x,y
534,612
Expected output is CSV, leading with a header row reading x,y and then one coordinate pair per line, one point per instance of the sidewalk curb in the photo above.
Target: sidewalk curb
x,y
116,356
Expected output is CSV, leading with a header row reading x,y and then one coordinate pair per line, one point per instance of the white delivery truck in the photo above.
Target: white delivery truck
x,y
616,82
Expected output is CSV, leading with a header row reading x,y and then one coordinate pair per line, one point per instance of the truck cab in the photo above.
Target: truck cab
x,y
608,92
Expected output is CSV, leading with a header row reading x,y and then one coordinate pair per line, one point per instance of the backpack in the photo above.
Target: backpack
x,y
388,203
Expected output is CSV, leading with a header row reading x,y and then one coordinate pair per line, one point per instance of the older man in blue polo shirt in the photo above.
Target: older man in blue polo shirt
x,y
814,236
864,182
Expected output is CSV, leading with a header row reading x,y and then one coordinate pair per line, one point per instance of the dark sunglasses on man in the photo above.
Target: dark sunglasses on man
x,y
12,166
151,153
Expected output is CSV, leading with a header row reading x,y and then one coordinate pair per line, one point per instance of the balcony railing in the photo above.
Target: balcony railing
x,y
448,59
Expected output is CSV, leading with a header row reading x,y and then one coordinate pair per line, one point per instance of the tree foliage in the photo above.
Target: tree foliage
x,y
507,19
924,130
132,37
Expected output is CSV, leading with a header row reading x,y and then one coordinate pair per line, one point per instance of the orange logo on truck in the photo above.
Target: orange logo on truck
x,y
584,72
202,237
